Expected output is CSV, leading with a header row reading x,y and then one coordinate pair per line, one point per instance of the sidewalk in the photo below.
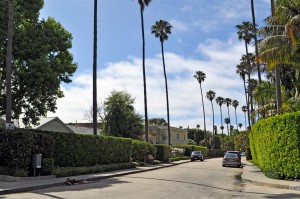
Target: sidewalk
x,y
254,175
41,183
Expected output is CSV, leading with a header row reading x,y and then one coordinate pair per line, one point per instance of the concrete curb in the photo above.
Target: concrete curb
x,y
53,184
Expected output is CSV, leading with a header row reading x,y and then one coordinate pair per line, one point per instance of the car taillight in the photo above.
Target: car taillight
x,y
225,158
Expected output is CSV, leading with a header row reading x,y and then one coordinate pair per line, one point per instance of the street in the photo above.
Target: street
x,y
207,179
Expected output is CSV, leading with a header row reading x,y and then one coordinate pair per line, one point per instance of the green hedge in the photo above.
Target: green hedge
x,y
275,145
140,149
163,152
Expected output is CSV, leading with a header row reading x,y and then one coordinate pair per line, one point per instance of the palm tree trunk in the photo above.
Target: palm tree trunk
x,y
255,40
246,100
9,61
249,88
167,95
245,121
277,72
203,116
236,118
212,108
95,71
144,77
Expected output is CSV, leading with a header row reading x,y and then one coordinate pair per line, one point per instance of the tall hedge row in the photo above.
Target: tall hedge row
x,y
17,147
275,145
190,148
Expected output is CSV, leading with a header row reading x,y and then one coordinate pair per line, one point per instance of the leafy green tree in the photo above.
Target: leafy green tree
x,y
210,95
241,141
121,119
41,61
235,104
200,76
161,29
157,121
143,4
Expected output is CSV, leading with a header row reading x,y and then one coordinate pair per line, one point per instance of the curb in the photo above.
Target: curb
x,y
35,187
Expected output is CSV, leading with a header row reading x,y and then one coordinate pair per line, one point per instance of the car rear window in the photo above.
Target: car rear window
x,y
197,152
231,155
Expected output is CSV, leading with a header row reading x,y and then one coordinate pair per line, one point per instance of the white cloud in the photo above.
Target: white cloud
x,y
184,91
178,25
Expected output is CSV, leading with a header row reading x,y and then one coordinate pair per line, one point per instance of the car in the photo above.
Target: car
x,y
243,153
197,155
232,158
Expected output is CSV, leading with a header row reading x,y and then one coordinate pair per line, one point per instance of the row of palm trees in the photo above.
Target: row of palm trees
x,y
276,51
211,95
161,29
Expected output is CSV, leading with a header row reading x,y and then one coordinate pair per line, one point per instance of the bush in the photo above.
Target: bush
x,y
275,145
190,148
163,152
47,166
140,149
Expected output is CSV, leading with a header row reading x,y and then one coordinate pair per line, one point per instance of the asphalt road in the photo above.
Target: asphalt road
x,y
197,179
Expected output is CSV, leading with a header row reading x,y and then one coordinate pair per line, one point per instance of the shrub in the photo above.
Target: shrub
x,y
140,149
275,145
163,152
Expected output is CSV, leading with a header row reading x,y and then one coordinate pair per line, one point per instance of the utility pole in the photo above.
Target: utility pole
x,y
95,123
9,62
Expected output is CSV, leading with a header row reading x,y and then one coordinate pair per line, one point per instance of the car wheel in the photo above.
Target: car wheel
x,y
201,160
223,165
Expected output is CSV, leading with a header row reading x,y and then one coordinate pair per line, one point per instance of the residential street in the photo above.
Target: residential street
x,y
197,179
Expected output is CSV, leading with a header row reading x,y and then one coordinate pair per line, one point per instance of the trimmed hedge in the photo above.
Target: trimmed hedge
x,y
163,152
275,145
140,149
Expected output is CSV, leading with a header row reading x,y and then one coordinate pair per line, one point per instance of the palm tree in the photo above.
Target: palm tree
x,y
241,70
255,40
228,102
240,125
244,109
200,76
161,29
235,104
222,128
143,4
9,60
220,101
210,95
95,106
227,121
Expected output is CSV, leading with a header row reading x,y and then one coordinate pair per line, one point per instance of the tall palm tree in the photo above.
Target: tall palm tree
x,y
244,109
9,60
210,95
235,104
220,101
143,4
200,76
227,121
255,40
228,102
240,125
95,106
161,29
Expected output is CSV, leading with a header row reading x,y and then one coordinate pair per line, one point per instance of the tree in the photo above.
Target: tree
x,y
228,102
240,125
41,61
227,121
244,109
210,95
161,29
235,104
143,4
157,121
121,119
95,106
220,101
200,76
88,115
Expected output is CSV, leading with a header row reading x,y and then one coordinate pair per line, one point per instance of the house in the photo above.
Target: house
x,y
83,128
158,134
50,124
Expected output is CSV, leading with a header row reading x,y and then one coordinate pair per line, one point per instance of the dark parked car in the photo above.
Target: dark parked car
x,y
197,155
232,158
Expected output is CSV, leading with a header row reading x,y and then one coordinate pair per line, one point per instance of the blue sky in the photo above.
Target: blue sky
x,y
203,38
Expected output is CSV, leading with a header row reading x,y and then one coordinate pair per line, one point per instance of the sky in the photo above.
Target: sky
x,y
204,38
